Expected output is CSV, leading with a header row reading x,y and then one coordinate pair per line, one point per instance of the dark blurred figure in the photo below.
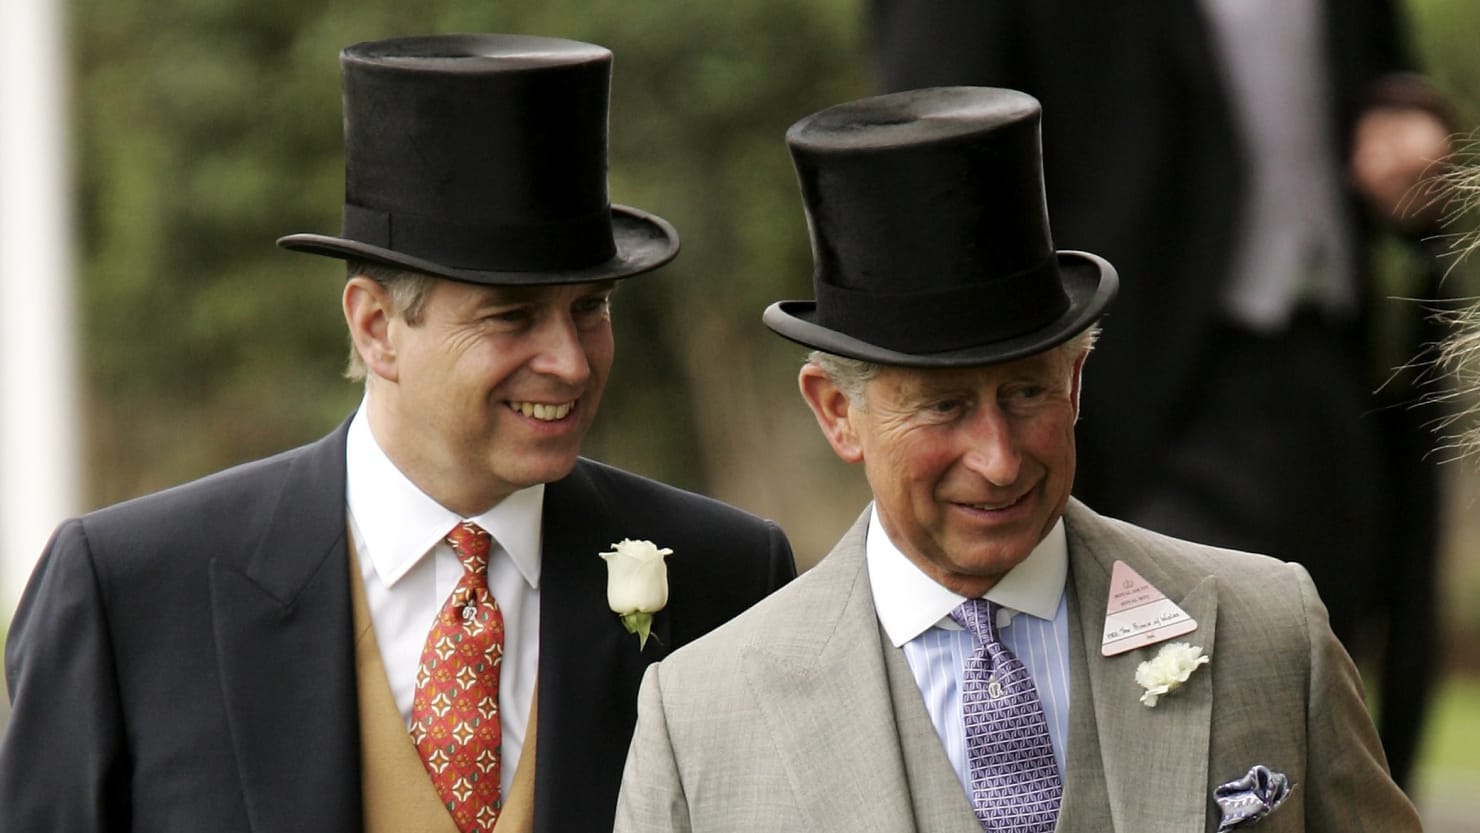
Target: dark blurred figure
x,y
1233,158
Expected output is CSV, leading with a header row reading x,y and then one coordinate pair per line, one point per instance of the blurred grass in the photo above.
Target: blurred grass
x,y
1448,773
1451,745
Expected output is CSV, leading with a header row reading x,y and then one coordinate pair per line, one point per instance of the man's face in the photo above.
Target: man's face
x,y
494,389
970,467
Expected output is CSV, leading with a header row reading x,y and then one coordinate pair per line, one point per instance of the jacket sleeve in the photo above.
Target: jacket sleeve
x,y
783,565
652,797
1347,787
63,765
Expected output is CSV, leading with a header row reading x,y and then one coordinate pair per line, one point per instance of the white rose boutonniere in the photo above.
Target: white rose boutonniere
x,y
1168,670
636,584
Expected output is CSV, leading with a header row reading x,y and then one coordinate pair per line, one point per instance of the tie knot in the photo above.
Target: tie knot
x,y
470,543
978,616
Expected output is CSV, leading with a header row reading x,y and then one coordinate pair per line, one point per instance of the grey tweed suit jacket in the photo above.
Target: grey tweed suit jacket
x,y
799,714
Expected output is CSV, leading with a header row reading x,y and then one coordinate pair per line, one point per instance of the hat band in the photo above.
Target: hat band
x,y
950,319
559,244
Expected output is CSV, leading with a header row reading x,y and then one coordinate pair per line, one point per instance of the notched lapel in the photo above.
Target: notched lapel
x,y
940,804
825,693
589,667
1155,759
283,632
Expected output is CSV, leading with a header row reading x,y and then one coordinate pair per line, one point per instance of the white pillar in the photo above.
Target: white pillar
x,y
39,439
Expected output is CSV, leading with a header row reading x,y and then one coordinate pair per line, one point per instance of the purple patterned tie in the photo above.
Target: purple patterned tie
x,y
1015,785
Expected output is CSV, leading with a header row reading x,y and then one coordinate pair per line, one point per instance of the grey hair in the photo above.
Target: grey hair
x,y
853,375
408,292
1462,183
1454,363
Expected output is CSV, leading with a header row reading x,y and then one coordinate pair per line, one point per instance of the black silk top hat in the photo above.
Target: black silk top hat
x,y
482,158
930,233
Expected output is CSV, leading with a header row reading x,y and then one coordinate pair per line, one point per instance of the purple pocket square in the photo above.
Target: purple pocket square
x,y
1251,798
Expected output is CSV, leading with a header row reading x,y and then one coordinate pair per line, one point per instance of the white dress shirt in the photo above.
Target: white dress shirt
x,y
1033,621
410,571
1295,245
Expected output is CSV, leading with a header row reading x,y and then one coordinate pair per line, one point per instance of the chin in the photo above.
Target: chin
x,y
999,561
550,470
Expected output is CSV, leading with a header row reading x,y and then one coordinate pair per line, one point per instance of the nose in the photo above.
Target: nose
x,y
560,351
993,452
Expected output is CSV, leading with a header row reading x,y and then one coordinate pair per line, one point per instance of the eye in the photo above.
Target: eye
x,y
1026,395
594,304
509,315
945,407
591,310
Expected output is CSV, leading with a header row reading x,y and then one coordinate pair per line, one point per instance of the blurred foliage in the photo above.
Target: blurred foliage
x,y
1445,33
208,128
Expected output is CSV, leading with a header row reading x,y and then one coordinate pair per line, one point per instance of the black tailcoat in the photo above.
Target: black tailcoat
x,y
184,661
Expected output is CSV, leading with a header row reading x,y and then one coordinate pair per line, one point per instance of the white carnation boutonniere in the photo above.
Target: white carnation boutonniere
x,y
1168,670
636,584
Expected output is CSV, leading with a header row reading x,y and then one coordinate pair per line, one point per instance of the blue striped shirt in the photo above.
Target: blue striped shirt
x,y
1033,623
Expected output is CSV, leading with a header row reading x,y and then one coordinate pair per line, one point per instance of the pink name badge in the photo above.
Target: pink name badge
x,y
1139,614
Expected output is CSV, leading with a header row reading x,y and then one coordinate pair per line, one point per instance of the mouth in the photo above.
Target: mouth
x,y
999,506
543,411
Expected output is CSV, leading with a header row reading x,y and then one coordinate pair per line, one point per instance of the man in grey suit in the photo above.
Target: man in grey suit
x,y
981,651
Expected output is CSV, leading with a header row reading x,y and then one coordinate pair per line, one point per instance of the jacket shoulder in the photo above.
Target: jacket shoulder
x,y
625,501
628,490
1250,585
216,515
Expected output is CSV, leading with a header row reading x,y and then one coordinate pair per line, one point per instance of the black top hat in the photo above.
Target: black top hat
x,y
930,233
482,158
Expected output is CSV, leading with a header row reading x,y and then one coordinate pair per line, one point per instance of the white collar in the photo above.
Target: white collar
x,y
909,602
401,523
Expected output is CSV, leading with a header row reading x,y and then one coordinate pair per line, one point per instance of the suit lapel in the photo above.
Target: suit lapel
x,y
939,802
285,651
1086,804
589,667
825,690
1154,760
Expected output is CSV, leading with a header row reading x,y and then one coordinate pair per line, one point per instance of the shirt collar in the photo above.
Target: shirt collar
x,y
401,524
909,602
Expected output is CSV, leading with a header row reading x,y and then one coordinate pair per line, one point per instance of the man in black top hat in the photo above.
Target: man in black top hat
x,y
1250,167
249,651
980,650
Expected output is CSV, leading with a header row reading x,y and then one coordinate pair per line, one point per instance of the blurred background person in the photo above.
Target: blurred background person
x,y
1232,157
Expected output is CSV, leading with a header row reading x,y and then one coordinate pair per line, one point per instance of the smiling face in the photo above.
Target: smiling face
x,y
970,467
491,391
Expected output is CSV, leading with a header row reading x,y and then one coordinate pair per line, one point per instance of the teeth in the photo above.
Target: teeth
x,y
541,411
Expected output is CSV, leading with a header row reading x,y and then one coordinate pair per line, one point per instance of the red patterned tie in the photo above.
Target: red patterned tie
x,y
454,716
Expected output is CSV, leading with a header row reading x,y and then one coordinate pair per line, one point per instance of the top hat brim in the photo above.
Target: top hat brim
x,y
643,242
1089,281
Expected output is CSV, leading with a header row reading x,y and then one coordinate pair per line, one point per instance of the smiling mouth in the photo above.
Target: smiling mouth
x,y
998,507
542,411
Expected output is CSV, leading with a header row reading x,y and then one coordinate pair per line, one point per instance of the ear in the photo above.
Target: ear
x,y
834,412
369,313
1077,374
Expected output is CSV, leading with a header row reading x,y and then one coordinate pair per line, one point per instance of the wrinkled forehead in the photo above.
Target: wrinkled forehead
x,y
534,293
1047,367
